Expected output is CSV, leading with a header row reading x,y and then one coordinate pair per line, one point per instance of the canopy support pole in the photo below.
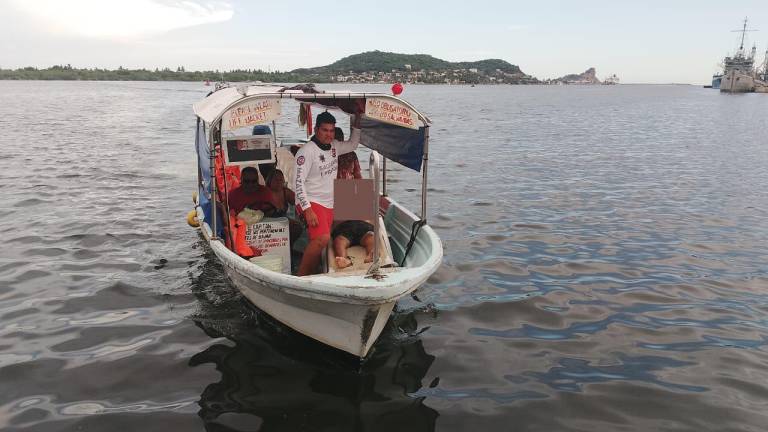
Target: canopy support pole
x,y
214,202
197,153
424,174
384,177
373,270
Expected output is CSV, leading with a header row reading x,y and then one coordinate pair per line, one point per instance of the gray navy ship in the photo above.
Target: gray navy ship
x,y
739,72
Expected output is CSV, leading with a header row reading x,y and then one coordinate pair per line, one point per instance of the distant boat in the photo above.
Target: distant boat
x,y
716,80
207,82
611,80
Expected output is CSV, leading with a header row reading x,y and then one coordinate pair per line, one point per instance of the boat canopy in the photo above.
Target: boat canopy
x,y
391,126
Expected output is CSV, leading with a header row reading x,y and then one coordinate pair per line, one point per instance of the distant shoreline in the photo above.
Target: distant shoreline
x,y
373,73
280,82
68,73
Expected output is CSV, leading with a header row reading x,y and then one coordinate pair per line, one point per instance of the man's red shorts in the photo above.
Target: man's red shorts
x,y
324,220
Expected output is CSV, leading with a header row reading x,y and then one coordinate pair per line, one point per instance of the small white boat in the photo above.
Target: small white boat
x,y
346,309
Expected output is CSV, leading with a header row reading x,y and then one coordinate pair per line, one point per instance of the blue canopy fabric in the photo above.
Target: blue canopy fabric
x,y
402,145
204,171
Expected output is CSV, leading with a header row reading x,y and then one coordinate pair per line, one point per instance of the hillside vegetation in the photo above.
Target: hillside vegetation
x,y
387,62
367,67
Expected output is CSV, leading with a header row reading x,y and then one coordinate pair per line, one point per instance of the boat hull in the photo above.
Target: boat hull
x,y
349,327
735,82
345,312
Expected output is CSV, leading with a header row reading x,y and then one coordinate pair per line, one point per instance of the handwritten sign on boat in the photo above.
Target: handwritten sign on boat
x,y
391,111
251,113
271,238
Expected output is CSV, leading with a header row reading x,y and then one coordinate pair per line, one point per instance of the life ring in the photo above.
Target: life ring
x,y
192,219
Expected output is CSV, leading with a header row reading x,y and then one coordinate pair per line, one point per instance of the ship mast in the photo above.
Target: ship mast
x,y
743,34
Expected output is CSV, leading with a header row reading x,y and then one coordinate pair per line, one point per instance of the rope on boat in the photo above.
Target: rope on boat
x,y
415,228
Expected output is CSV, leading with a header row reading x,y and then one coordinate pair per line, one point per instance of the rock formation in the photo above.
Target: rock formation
x,y
587,77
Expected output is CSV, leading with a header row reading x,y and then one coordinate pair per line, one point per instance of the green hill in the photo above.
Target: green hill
x,y
367,67
386,62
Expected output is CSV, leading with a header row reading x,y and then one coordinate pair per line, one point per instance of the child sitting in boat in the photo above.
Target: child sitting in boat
x,y
349,165
283,199
352,233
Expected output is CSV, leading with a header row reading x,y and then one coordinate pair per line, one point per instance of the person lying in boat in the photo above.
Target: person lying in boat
x,y
349,165
352,233
317,166
250,193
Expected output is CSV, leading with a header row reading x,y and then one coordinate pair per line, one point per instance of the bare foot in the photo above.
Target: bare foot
x,y
369,258
343,262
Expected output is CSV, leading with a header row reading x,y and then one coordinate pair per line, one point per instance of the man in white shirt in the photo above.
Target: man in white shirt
x,y
317,165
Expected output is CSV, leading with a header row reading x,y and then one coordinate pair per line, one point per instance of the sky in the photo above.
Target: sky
x,y
643,42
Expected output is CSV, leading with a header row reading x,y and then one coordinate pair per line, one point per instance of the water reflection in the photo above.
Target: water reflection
x,y
273,378
573,374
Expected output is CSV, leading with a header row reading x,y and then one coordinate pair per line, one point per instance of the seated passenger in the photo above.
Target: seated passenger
x,y
250,193
349,165
282,198
352,233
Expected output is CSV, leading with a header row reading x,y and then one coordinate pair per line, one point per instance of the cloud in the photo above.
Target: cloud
x,y
517,27
124,19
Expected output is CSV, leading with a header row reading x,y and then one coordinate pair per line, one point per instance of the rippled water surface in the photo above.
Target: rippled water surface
x,y
605,270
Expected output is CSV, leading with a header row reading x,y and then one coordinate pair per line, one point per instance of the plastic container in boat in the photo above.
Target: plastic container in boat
x,y
269,262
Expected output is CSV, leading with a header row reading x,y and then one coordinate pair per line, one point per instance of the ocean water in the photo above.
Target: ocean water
x,y
606,269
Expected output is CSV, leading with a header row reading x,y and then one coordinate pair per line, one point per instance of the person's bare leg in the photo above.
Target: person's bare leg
x,y
340,245
294,231
311,259
367,243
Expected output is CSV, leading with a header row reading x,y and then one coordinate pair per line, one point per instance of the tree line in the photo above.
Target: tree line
x,y
67,72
